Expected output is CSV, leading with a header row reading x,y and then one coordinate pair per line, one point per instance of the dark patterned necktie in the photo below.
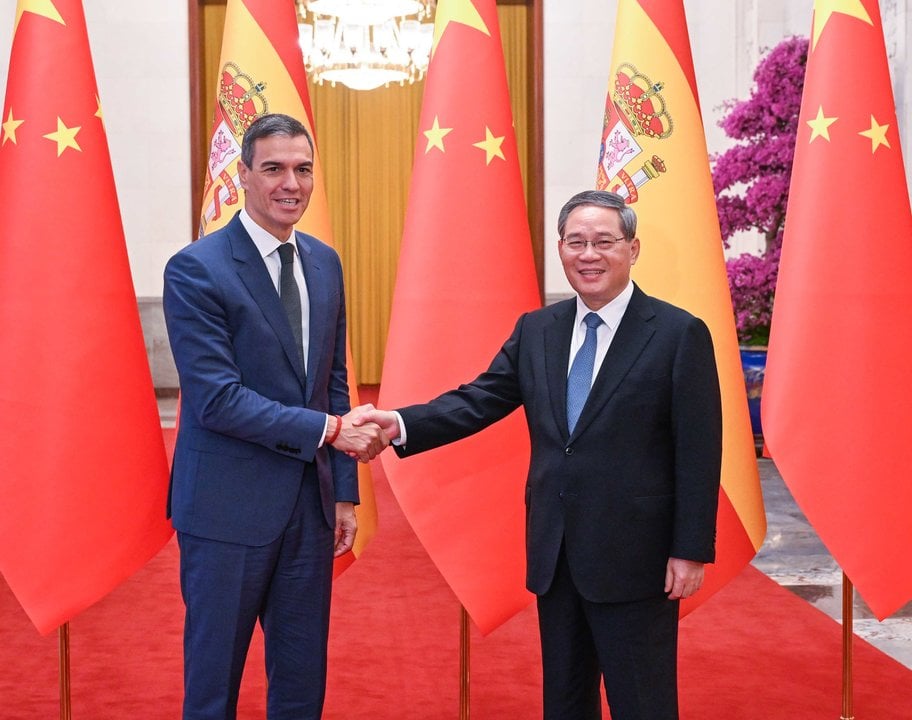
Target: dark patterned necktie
x,y
291,296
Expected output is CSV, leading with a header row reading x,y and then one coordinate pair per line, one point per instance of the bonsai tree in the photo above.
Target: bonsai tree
x,y
751,180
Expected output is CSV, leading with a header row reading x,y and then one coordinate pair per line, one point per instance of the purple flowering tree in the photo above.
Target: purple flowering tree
x,y
751,181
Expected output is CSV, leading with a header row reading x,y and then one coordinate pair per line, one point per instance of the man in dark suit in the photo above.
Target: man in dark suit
x,y
264,480
623,483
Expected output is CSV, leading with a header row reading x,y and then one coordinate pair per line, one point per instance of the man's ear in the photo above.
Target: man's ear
x,y
242,173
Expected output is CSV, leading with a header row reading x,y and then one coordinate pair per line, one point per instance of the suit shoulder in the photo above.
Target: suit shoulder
x,y
315,245
548,313
667,312
212,244
535,320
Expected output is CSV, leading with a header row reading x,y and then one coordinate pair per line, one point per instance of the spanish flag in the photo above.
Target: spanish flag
x,y
653,152
261,70
836,411
85,475
465,274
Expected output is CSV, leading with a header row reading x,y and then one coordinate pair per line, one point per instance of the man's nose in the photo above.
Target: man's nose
x,y
589,251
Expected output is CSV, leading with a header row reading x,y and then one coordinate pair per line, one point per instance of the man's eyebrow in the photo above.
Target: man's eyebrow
x,y
265,163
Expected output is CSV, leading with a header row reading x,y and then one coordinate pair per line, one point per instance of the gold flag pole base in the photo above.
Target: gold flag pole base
x,y
63,635
464,648
848,597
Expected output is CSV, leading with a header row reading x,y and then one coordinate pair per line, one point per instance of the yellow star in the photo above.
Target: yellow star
x,y
64,137
877,134
98,113
491,146
824,9
461,11
435,136
820,125
9,128
45,8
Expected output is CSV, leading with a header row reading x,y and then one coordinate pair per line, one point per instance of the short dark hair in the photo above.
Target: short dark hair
x,y
600,198
267,126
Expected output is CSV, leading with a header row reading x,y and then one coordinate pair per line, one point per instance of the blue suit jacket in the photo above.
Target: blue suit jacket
x,y
249,422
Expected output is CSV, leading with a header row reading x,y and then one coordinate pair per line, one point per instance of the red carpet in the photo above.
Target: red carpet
x,y
752,652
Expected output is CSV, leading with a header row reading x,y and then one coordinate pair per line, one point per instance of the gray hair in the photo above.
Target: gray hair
x,y
267,126
600,198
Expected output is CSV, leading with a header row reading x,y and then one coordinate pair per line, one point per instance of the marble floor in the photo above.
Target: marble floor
x,y
795,557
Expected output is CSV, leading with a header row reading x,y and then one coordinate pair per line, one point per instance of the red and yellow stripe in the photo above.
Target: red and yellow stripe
x,y
682,260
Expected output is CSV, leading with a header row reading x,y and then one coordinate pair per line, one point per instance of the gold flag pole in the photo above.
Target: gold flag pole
x,y
848,596
63,634
464,648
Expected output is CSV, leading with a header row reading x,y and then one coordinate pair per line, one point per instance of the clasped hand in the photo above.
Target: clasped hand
x,y
362,441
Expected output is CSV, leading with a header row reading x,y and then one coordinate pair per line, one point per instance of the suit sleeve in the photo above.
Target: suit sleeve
x,y
211,382
697,426
469,408
344,468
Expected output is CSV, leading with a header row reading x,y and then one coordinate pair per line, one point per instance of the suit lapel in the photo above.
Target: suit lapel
x,y
631,337
319,309
556,352
252,271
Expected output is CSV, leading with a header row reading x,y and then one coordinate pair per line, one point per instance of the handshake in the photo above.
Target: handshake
x,y
365,432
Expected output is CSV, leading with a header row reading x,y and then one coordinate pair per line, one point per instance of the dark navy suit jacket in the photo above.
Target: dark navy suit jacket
x,y
249,422
638,480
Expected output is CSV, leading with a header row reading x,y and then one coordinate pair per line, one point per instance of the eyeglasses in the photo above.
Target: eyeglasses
x,y
604,243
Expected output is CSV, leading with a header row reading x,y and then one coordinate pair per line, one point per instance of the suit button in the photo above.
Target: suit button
x,y
568,451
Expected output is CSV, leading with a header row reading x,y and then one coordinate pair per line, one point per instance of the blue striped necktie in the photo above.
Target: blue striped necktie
x,y
579,381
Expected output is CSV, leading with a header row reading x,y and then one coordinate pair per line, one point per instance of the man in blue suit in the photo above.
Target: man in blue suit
x,y
264,480
622,402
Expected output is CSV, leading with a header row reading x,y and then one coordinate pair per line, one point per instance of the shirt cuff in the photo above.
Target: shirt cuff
x,y
401,440
323,436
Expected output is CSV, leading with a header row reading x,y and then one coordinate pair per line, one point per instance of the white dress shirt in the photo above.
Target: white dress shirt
x,y
611,315
268,246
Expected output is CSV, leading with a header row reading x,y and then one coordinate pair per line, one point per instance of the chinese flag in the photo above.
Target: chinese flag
x,y
653,152
84,474
262,70
465,275
836,412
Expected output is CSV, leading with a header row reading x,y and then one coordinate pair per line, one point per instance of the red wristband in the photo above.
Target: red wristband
x,y
332,438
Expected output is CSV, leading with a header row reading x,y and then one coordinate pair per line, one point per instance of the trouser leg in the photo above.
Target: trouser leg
x,y
295,616
570,669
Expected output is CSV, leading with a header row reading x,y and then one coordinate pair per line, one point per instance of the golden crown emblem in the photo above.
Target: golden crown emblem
x,y
241,98
640,103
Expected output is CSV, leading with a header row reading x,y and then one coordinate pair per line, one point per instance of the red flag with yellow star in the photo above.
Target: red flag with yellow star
x,y
653,153
465,275
85,474
836,412
261,71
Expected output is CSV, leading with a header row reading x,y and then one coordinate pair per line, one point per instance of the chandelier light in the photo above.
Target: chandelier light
x,y
366,44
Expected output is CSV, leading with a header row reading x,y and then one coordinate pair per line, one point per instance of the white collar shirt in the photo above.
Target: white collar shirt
x,y
268,247
611,315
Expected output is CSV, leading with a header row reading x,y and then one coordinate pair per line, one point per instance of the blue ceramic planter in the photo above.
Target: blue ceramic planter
x,y
753,363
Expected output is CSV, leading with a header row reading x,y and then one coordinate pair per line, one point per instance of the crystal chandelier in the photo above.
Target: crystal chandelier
x,y
365,44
